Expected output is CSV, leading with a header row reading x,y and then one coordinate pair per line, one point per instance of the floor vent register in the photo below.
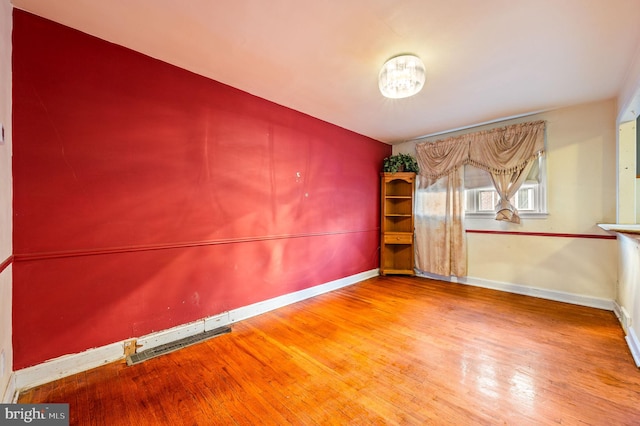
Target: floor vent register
x,y
142,356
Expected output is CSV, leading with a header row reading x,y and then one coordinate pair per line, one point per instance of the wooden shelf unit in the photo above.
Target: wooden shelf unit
x,y
396,229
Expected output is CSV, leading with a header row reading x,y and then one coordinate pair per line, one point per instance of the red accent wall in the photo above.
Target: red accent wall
x,y
146,196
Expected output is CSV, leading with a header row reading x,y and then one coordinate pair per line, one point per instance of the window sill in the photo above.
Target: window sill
x,y
492,215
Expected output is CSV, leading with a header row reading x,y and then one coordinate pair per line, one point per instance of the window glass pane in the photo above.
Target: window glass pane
x,y
534,173
522,199
486,200
525,200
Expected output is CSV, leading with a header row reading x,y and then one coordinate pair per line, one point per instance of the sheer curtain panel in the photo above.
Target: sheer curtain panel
x,y
440,243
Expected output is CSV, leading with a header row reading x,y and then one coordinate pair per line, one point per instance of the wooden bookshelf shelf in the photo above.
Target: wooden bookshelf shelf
x,y
396,240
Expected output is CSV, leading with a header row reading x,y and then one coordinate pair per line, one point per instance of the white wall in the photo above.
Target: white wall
x,y
628,292
629,276
6,353
627,172
581,172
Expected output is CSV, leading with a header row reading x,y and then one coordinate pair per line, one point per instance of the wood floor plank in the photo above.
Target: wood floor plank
x,y
389,350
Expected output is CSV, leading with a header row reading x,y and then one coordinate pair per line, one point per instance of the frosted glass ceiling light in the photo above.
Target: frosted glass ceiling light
x,y
401,77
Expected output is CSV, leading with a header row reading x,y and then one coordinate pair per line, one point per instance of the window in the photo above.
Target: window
x,y
482,198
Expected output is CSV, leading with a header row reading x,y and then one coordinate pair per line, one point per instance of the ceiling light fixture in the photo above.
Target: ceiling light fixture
x,y
401,77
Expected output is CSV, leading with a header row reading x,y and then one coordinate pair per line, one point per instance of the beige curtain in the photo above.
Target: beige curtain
x,y
507,185
440,244
441,157
507,153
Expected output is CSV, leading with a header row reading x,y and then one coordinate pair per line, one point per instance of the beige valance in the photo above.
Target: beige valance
x,y
504,150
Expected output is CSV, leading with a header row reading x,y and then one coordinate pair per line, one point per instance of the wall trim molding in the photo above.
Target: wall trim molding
x,y
557,296
22,257
67,365
634,345
617,309
630,335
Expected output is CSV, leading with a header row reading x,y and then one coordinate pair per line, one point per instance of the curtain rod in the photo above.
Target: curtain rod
x,y
472,126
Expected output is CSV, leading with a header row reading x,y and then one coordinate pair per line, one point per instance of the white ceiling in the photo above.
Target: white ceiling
x,y
486,59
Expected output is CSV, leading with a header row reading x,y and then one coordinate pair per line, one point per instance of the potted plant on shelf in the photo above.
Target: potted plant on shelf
x,y
400,163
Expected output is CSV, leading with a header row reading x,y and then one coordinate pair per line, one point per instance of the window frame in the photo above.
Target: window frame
x,y
540,197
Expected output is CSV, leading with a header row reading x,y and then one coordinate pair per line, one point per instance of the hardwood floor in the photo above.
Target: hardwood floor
x,y
389,350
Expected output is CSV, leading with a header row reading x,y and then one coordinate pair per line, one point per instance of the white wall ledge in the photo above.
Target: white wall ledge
x,y
621,228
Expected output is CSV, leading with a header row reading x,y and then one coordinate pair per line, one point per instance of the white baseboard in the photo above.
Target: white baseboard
x,y
74,363
67,365
630,334
558,296
617,309
634,345
10,394
170,335
623,316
